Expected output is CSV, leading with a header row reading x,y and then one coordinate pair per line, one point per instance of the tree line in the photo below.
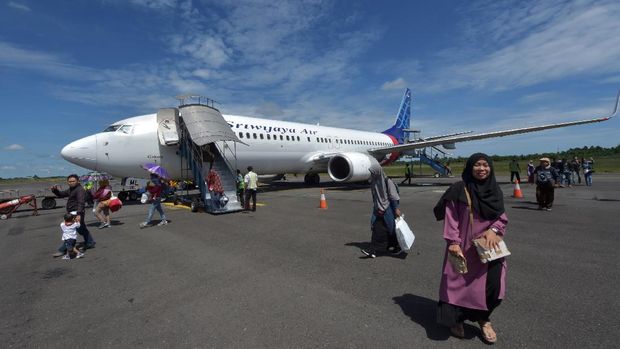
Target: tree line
x,y
583,152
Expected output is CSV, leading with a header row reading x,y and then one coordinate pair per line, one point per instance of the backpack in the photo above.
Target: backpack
x,y
544,177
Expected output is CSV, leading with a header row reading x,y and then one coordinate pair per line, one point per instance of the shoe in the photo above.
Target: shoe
x,y
369,254
548,208
163,222
79,255
458,330
66,256
81,248
396,251
58,254
144,225
488,333
104,225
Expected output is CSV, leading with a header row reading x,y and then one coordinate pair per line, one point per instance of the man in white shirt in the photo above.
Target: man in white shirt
x,y
251,185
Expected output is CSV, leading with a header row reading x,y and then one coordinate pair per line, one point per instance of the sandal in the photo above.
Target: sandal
x,y
458,330
488,333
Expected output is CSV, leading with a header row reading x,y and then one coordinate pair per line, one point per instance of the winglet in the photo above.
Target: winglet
x,y
616,107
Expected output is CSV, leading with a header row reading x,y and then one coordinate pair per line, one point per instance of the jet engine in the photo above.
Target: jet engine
x,y
351,167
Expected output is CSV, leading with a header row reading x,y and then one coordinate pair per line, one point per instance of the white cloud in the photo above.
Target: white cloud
x,y
207,49
202,73
397,84
18,6
270,109
536,43
155,4
8,168
14,147
611,80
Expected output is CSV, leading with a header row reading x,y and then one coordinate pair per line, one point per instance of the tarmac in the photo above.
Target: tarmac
x,y
291,275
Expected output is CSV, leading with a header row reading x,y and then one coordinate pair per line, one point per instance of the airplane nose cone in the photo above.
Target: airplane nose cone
x,y
82,152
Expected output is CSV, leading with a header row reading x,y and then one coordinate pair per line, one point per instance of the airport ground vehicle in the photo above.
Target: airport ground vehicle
x,y
10,201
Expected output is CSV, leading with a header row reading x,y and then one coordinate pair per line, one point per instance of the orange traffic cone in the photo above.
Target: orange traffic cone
x,y
517,192
323,203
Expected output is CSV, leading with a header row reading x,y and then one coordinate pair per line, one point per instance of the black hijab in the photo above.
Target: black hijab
x,y
487,198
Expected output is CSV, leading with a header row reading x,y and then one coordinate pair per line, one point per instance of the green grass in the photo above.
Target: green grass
x,y
609,164
12,181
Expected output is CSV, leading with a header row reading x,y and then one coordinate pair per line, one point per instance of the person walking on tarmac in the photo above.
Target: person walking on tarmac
x,y
155,187
471,209
251,186
514,170
530,172
76,198
407,175
385,209
546,179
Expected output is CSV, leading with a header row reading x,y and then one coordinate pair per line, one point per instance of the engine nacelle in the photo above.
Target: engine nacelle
x,y
449,145
351,167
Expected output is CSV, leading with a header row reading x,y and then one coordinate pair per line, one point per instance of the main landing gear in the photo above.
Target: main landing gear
x,y
312,179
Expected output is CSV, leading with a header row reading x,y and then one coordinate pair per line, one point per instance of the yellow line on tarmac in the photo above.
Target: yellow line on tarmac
x,y
171,205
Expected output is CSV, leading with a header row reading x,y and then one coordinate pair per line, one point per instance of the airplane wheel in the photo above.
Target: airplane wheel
x,y
3,217
316,179
122,195
312,179
133,196
48,203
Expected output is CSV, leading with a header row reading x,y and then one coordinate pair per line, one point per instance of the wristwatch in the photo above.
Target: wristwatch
x,y
495,230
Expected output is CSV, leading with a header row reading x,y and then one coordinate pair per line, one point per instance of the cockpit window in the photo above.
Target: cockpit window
x,y
125,129
111,128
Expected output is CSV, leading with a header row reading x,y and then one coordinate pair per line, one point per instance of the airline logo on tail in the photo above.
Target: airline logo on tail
x,y
402,120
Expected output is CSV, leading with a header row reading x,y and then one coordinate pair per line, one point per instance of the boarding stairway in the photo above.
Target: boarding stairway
x,y
204,140
440,168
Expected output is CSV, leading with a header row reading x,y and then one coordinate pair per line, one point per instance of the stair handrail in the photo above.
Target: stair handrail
x,y
222,152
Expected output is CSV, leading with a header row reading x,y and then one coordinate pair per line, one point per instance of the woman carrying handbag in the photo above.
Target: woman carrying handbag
x,y
473,292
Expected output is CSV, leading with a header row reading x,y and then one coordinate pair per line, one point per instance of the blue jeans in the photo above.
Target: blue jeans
x,y
155,205
215,199
588,177
82,230
567,178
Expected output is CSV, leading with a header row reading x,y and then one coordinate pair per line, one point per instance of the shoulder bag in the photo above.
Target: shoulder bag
x,y
486,255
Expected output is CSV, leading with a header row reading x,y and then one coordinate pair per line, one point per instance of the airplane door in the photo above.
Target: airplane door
x,y
330,142
336,142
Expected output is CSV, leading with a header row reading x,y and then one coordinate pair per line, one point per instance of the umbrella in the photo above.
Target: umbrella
x,y
95,177
157,170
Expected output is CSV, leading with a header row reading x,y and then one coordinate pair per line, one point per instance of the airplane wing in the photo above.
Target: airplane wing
x,y
472,137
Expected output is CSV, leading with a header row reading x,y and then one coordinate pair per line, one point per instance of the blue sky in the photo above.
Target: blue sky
x,y
70,68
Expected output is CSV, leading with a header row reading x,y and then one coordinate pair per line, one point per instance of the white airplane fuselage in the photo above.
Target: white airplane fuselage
x,y
273,147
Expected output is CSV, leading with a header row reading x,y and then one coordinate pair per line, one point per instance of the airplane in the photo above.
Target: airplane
x,y
271,146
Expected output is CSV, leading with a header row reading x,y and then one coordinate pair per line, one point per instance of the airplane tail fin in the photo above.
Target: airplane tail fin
x,y
402,120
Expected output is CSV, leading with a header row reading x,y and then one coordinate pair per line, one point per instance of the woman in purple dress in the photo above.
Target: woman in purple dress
x,y
475,294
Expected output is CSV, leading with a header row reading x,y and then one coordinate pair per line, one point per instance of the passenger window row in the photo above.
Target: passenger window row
x,y
318,139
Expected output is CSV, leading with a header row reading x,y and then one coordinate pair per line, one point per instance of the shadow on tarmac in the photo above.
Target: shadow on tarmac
x,y
423,311
367,245
526,208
